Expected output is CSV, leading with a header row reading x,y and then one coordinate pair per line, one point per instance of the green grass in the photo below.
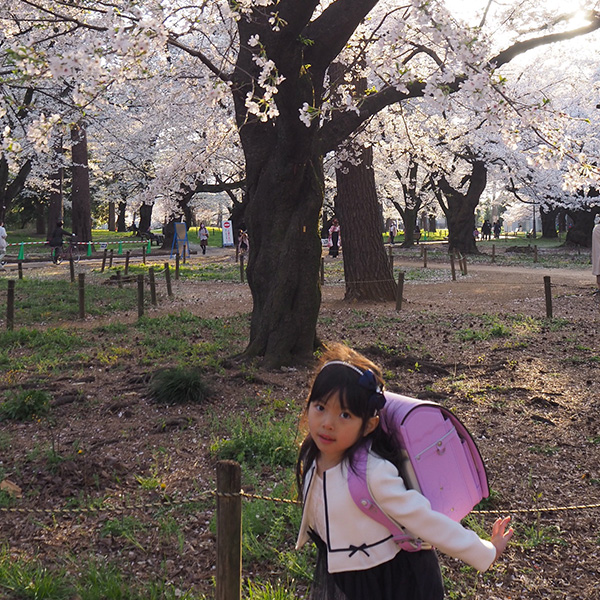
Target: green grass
x,y
266,440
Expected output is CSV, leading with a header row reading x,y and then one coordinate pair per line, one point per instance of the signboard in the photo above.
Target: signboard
x,y
228,234
180,240
103,245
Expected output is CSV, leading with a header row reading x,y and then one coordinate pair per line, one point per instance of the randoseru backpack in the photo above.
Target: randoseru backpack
x,y
439,459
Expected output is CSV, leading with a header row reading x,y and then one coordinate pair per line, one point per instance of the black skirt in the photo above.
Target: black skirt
x,y
408,576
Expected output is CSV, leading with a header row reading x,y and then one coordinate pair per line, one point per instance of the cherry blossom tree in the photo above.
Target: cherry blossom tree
x,y
266,64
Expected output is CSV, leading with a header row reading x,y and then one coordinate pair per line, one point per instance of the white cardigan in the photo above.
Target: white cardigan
x,y
355,542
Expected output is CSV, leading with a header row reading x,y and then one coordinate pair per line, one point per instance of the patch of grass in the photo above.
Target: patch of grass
x,y
179,386
267,591
25,405
259,441
24,579
125,528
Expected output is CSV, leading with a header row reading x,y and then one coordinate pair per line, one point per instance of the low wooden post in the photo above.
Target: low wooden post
x,y
119,280
152,285
168,279
493,253
229,531
548,293
20,269
72,269
103,260
144,254
322,271
81,288
110,258
424,257
452,266
127,255
140,295
183,254
177,265
400,290
242,268
10,305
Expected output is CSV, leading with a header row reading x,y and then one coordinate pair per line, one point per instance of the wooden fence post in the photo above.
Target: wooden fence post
x,y
127,255
144,254
20,269
140,295
548,293
81,295
119,280
400,290
177,265
152,285
110,258
493,253
424,257
168,279
103,260
229,531
72,269
10,305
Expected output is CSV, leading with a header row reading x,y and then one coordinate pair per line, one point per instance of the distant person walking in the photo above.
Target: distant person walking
x,y
393,231
203,235
596,252
3,244
334,238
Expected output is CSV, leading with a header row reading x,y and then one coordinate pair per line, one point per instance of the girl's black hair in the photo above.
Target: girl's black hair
x,y
343,379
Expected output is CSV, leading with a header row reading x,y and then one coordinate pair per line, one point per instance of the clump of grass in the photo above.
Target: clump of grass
x,y
25,405
264,441
179,385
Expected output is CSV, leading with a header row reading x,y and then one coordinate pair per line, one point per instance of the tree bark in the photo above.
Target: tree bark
x,y
145,217
121,224
82,210
459,208
366,266
8,191
548,218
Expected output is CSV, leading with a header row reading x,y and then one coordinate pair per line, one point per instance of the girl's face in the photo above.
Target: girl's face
x,y
334,429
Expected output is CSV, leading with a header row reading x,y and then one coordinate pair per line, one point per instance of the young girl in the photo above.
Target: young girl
x,y
357,558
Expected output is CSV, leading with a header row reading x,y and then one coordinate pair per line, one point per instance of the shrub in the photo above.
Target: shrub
x,y
25,405
179,386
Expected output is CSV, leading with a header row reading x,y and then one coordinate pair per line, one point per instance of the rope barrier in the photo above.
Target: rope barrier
x,y
167,502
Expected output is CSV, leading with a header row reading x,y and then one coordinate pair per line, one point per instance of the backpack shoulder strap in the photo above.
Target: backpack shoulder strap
x,y
359,490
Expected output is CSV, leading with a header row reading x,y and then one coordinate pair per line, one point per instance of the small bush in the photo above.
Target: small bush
x,y
179,386
25,405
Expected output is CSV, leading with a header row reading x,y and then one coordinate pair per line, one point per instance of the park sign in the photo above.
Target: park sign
x,y
227,234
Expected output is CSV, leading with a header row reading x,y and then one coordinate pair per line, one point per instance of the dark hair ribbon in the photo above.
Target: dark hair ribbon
x,y
368,381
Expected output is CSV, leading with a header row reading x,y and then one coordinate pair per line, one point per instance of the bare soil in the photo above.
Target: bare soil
x,y
526,386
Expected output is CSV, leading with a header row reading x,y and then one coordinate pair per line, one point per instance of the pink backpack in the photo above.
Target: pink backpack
x,y
439,459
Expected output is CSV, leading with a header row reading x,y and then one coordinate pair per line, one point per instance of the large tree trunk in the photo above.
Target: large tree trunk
x,y
581,232
460,209
284,258
82,210
548,218
145,217
121,224
366,266
8,191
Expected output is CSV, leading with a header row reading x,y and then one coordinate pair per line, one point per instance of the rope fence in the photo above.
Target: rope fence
x,y
229,495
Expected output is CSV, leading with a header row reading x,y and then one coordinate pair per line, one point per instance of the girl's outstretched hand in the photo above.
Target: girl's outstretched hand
x,y
500,535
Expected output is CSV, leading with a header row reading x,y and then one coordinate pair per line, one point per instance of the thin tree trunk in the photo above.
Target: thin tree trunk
x,y
82,211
